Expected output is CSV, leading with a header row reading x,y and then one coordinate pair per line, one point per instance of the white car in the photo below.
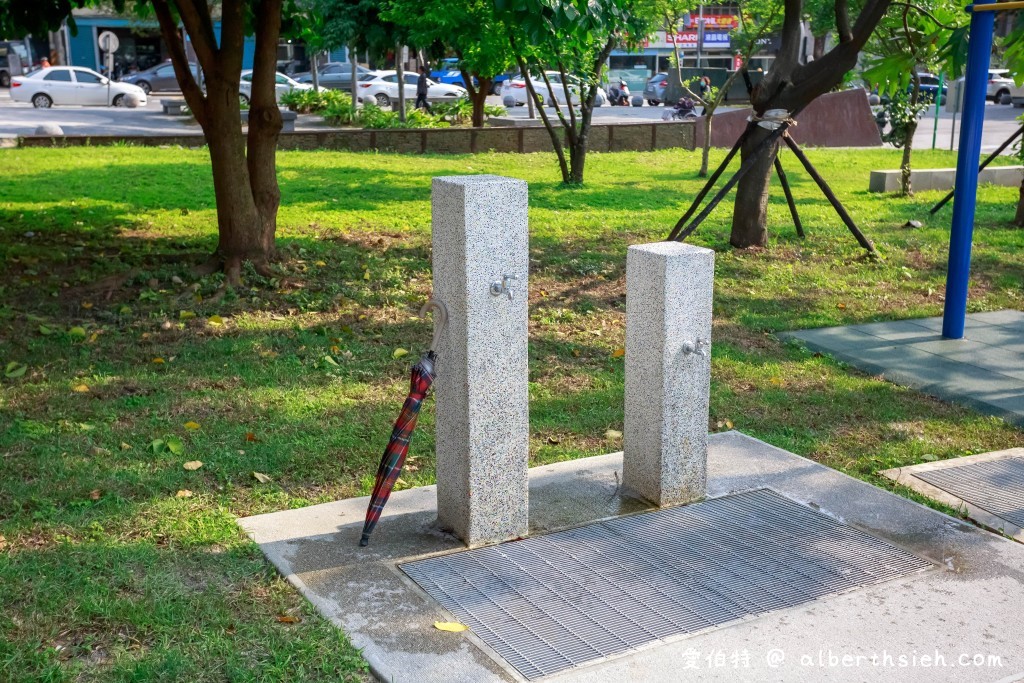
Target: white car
x,y
999,85
282,84
72,85
516,87
381,87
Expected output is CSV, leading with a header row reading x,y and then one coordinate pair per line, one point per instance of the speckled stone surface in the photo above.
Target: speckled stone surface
x,y
668,306
480,236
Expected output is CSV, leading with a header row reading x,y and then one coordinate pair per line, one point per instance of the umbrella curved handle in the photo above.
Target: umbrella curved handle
x,y
441,319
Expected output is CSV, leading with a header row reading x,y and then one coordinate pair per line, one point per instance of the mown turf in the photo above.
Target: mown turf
x,y
134,367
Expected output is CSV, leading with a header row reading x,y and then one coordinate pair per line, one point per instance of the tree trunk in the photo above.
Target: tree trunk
x,y
399,68
749,219
244,180
314,72
819,46
908,138
1018,219
706,150
479,99
355,83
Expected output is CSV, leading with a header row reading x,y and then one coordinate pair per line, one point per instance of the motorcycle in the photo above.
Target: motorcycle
x,y
619,96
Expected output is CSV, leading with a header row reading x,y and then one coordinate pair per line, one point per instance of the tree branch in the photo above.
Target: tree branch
x,y
199,25
232,37
843,21
189,88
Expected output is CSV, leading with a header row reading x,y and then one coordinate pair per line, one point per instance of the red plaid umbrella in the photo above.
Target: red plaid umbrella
x,y
398,446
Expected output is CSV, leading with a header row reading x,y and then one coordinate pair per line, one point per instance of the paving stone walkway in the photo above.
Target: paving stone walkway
x,y
985,370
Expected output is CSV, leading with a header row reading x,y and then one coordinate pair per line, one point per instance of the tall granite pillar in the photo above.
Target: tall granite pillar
x,y
668,371
480,264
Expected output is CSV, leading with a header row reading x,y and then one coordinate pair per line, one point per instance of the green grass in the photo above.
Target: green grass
x,y
107,575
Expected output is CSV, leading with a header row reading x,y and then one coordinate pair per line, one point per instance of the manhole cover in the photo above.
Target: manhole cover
x,y
996,486
553,602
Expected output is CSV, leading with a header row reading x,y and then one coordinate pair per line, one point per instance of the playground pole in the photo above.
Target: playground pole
x,y
965,192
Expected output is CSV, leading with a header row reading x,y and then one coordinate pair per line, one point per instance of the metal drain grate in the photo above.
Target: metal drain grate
x,y
553,602
996,486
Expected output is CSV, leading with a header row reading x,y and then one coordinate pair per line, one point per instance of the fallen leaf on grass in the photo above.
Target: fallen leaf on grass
x,y
399,352
841,307
125,446
215,320
191,426
249,436
453,626
192,465
174,445
77,332
261,478
186,315
3,542
45,331
618,353
87,305
158,361
15,369
81,389
95,494
553,441
288,619
613,435
96,451
183,493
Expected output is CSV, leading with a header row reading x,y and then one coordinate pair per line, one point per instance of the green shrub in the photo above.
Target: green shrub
x,y
461,110
372,116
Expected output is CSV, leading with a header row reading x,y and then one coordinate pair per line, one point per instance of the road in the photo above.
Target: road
x,y
22,119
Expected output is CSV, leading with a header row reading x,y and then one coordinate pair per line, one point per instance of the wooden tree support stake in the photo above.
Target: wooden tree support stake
x,y
784,181
988,160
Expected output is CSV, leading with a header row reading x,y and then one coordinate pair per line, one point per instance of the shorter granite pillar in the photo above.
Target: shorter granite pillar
x,y
668,371
480,264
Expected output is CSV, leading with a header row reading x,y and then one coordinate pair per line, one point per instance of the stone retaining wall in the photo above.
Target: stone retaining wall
x,y
629,137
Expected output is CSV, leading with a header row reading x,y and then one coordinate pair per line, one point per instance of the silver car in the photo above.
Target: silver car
x,y
654,91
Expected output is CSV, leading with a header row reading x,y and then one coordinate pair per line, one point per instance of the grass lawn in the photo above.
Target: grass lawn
x,y
118,564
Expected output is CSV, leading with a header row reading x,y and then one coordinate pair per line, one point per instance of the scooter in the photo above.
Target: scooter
x,y
619,97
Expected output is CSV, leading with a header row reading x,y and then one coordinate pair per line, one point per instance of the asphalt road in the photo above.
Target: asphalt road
x,y
22,119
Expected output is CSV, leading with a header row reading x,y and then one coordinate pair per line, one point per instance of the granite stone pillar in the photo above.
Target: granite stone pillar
x,y
480,264
668,371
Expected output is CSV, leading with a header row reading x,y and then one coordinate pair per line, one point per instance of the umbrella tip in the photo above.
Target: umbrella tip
x,y
364,541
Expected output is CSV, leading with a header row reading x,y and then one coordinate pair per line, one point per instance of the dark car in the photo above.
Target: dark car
x,y
333,75
928,90
654,91
158,78
10,63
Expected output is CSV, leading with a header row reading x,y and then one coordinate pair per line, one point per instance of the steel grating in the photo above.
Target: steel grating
x,y
553,602
996,486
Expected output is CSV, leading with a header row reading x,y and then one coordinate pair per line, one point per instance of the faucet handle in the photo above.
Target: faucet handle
x,y
503,287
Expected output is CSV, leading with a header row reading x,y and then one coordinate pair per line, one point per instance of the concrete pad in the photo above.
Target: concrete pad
x,y
908,476
968,606
942,178
985,370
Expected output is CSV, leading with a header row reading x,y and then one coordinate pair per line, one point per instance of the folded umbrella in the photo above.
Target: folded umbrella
x,y
398,445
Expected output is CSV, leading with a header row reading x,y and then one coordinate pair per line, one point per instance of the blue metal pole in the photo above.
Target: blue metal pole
x,y
958,271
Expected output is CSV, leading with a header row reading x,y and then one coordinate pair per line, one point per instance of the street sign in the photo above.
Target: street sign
x,y
108,42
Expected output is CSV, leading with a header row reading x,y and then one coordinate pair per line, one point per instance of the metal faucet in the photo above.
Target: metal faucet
x,y
699,347
503,287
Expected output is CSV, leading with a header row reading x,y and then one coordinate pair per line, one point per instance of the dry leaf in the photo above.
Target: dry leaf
x,y
366,274
183,493
86,305
125,446
553,441
728,423
320,264
453,626
3,542
215,320
94,494
249,436
261,478
81,389
613,435
158,361
190,425
841,307
288,619
618,353
193,465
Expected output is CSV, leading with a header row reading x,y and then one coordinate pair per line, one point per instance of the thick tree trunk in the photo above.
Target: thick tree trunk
x,y
355,84
479,99
244,178
400,70
749,219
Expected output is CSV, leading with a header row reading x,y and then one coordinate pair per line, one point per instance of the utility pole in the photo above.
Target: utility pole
x,y
700,34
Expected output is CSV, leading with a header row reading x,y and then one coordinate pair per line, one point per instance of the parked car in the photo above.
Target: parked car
x,y
334,75
998,86
381,87
11,64
282,84
448,72
71,85
1017,96
159,78
654,91
516,87
930,88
